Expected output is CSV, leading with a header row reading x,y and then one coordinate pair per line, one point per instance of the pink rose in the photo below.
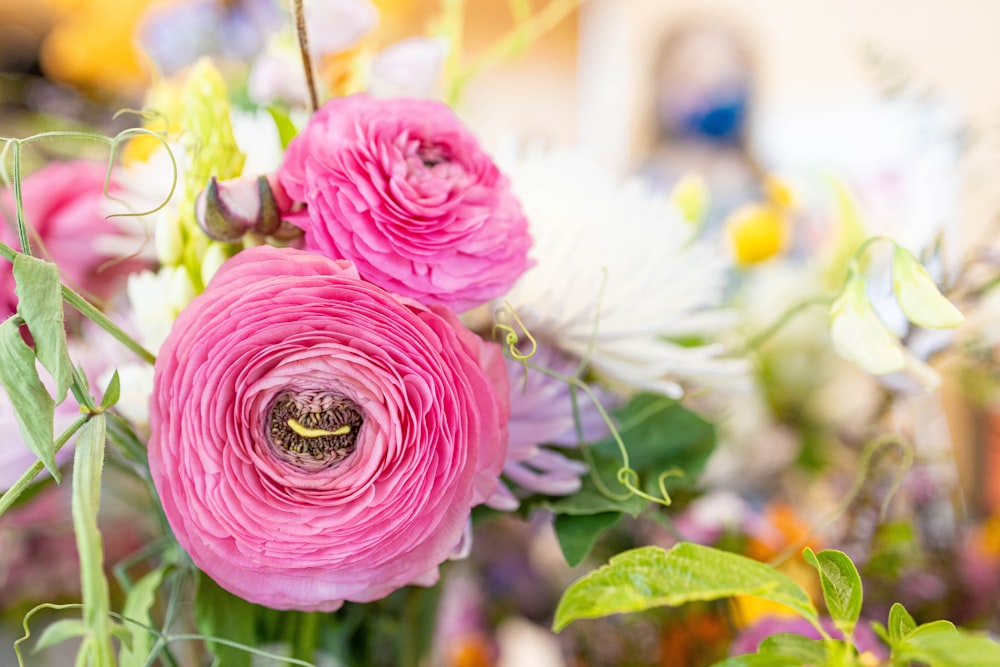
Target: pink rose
x,y
401,188
316,439
64,208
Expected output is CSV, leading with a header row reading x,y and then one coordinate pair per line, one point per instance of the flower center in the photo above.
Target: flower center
x,y
432,155
313,429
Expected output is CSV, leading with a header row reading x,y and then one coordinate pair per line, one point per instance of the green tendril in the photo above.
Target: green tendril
x,y
867,454
505,320
162,638
84,307
510,336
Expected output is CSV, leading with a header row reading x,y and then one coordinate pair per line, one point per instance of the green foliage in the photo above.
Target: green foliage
x,y
941,644
138,602
665,442
219,613
40,305
841,587
286,128
578,533
652,577
33,408
88,464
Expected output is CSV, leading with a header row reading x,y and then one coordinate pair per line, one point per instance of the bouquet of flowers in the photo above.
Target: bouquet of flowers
x,y
310,346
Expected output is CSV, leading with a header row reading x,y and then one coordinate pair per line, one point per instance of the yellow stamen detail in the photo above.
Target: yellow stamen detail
x,y
316,432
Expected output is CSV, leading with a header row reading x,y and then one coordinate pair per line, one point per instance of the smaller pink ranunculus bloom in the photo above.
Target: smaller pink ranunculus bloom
x,y
316,439
402,189
64,207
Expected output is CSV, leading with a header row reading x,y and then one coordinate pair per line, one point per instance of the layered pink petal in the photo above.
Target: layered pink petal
x,y
289,531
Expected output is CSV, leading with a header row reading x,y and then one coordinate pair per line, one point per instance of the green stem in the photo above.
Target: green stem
x,y
22,227
11,495
543,21
759,339
91,312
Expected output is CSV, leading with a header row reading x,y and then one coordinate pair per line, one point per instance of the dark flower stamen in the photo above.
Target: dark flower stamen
x,y
313,430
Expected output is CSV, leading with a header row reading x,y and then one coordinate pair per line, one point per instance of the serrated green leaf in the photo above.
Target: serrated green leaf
x,y
219,613
650,577
33,408
59,632
113,392
578,534
841,585
88,465
790,645
138,601
40,304
942,645
900,624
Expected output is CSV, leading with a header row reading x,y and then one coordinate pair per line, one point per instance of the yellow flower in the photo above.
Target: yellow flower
x,y
91,45
756,233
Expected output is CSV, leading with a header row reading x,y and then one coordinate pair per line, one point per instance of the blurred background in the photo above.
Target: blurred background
x,y
616,75
893,96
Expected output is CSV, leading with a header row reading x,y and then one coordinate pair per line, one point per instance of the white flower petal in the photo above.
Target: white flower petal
x,y
860,336
918,296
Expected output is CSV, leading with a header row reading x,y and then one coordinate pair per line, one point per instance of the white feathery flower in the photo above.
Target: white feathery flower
x,y
618,256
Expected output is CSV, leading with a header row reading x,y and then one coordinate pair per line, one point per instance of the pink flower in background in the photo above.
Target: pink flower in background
x,y
401,188
64,208
316,439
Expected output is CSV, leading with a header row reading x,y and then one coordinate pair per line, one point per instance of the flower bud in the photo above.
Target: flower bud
x,y
918,296
859,335
226,211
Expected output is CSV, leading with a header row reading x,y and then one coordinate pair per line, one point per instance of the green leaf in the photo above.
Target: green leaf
x,y
286,128
219,613
33,407
790,645
942,645
88,465
138,601
660,435
113,392
59,632
841,586
40,304
901,623
651,577
578,534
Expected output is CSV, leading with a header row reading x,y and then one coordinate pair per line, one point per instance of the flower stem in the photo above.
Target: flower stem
x,y
299,16
24,481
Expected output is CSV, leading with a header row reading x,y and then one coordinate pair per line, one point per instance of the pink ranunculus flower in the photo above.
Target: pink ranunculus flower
x,y
64,206
315,439
402,189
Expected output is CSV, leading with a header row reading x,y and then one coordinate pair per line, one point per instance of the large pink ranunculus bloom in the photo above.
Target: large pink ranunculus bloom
x,y
401,188
316,439
64,208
